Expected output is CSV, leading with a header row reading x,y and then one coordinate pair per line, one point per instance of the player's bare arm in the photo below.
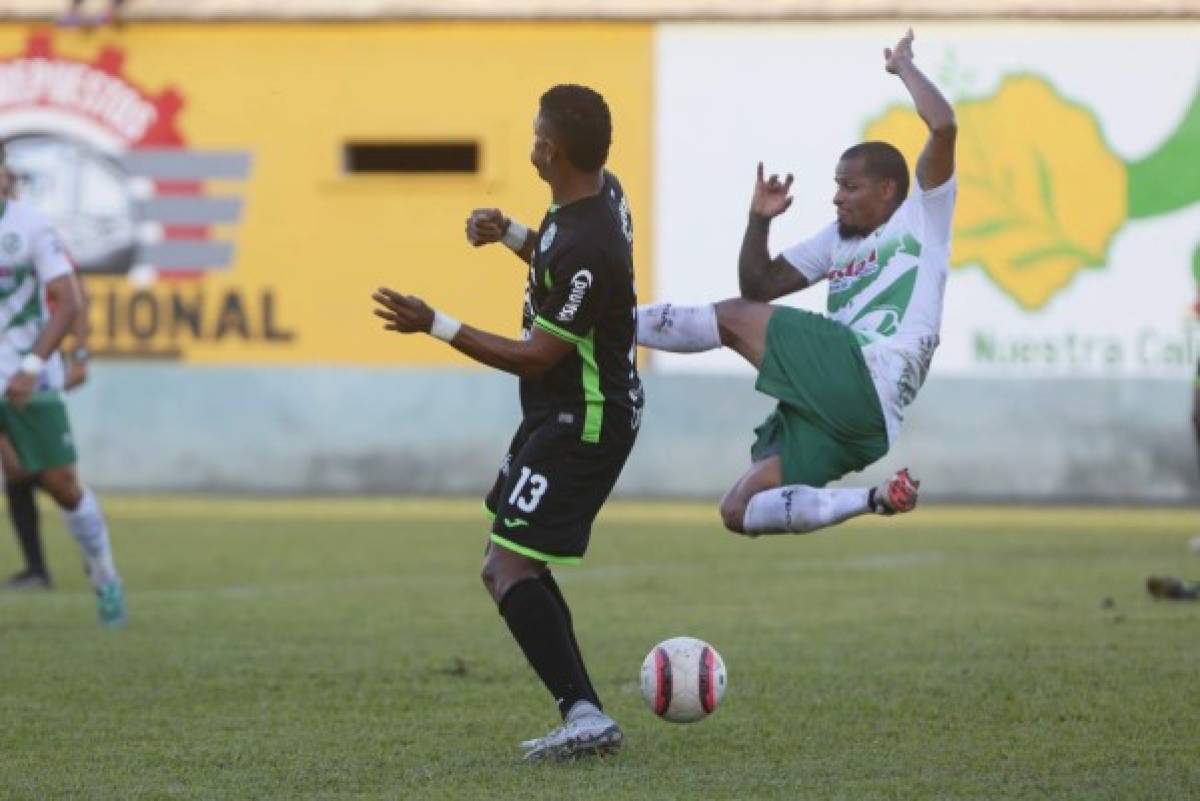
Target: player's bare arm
x,y
936,162
78,356
63,293
528,358
486,226
761,277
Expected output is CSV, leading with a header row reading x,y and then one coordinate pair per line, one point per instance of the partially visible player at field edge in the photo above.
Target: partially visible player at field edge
x,y
842,380
39,301
1194,543
581,400
22,504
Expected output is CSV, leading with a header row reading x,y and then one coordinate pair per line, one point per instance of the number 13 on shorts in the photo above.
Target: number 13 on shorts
x,y
537,488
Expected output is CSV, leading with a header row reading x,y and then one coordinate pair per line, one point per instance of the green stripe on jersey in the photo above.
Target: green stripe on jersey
x,y
593,418
30,312
890,305
593,397
561,333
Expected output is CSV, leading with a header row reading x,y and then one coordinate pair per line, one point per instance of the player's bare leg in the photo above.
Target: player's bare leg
x,y
743,327
540,622
85,520
762,476
759,504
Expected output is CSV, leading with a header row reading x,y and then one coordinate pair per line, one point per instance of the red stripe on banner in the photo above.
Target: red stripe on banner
x,y
662,673
708,683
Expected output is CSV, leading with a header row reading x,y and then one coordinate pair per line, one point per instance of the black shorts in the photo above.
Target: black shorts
x,y
551,487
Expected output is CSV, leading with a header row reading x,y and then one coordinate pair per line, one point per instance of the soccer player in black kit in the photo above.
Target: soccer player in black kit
x,y
581,398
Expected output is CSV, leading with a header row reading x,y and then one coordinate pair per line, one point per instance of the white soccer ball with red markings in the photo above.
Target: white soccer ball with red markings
x,y
683,679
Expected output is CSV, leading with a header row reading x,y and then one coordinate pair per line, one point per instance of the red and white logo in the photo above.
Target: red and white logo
x,y
104,158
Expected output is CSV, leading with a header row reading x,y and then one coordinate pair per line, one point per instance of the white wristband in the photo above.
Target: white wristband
x,y
444,327
32,364
514,238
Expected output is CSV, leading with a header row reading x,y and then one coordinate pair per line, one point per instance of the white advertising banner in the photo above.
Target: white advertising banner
x,y
1076,239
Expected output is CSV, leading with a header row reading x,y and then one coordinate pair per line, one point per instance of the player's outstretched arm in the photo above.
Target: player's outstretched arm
x,y
936,162
486,226
759,276
527,358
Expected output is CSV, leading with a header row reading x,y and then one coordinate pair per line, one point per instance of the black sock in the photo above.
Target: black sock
x,y
552,585
22,510
537,624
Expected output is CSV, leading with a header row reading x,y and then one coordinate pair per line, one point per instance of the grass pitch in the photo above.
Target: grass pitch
x,y
345,649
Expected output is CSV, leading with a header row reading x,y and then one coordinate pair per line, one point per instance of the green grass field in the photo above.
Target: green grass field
x,y
345,649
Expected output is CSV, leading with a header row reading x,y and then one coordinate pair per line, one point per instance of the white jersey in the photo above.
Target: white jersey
x,y
31,256
887,287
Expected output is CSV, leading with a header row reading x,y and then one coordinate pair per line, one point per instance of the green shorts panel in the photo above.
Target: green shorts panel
x,y
828,421
40,432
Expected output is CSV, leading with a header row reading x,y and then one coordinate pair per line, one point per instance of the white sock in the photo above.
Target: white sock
x,y
89,529
680,329
801,509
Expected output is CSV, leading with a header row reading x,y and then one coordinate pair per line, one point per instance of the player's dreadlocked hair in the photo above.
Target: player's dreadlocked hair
x,y
580,118
881,160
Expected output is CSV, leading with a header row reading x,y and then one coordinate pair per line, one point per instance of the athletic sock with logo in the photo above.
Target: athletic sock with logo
x,y
679,329
537,624
23,511
86,524
800,509
548,580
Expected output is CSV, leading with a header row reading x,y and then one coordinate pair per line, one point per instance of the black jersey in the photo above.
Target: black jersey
x,y
581,290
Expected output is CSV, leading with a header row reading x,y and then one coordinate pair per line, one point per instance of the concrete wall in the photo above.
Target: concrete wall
x,y
334,430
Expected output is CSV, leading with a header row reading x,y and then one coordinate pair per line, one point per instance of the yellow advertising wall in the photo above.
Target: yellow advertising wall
x,y
313,241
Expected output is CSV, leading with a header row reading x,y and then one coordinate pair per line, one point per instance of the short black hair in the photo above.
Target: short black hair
x,y
882,160
581,121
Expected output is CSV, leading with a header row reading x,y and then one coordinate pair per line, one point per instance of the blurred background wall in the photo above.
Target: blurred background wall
x,y
235,185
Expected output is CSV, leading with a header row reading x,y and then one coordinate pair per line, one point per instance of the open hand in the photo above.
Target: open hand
x,y
485,226
771,196
896,57
406,314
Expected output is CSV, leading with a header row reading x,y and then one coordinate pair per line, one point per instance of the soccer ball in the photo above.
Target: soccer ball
x,y
683,679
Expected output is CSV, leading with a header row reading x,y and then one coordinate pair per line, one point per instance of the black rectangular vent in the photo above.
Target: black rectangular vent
x,y
411,157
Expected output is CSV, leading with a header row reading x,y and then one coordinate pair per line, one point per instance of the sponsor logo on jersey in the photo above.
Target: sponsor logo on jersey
x,y
581,282
842,277
548,237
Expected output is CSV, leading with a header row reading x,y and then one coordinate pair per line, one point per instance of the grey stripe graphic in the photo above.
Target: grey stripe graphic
x,y
181,255
170,164
193,210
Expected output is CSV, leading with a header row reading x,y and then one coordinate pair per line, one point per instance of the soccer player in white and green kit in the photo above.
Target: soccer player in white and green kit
x,y
36,277
842,379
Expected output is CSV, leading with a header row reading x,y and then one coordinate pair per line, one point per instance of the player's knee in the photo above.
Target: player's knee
x,y
727,316
488,575
733,513
63,486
